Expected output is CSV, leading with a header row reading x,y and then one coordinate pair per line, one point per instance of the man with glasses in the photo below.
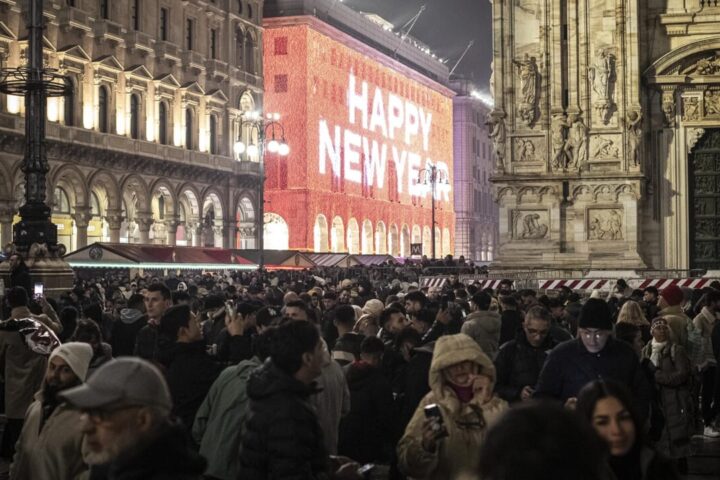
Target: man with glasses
x,y
125,417
519,361
593,355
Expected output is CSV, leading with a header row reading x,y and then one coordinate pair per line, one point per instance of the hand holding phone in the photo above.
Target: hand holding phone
x,y
38,290
433,428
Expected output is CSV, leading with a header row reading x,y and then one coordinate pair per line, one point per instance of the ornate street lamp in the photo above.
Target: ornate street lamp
x,y
36,84
270,137
432,176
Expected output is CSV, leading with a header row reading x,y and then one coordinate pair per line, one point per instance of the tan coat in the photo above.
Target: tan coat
x,y
55,452
22,368
457,455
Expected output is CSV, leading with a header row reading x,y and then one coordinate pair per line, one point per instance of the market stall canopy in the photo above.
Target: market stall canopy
x,y
127,255
368,260
278,259
327,259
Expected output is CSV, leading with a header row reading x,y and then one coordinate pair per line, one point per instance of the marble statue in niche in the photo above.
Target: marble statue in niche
x,y
528,72
558,139
668,108
496,133
634,127
605,225
602,76
576,145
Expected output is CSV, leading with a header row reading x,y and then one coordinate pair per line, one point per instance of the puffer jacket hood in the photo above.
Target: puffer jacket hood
x,y
453,349
130,315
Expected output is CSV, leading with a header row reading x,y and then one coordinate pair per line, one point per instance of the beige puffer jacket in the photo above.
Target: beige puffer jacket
x,y
457,455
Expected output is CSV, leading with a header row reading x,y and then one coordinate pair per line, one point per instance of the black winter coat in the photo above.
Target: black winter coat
x,y
518,364
512,321
416,384
569,367
282,438
366,432
167,457
190,374
20,277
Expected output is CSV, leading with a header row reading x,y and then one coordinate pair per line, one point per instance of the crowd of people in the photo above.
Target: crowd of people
x,y
298,376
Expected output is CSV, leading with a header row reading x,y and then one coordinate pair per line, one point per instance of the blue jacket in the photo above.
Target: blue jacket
x,y
569,367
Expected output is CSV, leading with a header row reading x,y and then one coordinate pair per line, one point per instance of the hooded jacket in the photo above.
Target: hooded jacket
x,y
124,332
220,419
678,323
484,327
466,424
282,438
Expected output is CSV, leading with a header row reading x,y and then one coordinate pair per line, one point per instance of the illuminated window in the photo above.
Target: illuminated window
x,y
281,83
277,234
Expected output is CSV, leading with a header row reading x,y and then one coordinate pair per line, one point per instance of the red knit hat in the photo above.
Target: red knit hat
x,y
673,295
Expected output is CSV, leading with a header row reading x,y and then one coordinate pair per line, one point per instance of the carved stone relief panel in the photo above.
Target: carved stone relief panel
x,y
605,224
692,107
529,154
530,224
605,148
712,103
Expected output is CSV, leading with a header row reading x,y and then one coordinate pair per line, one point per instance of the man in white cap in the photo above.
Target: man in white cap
x,y
125,415
50,444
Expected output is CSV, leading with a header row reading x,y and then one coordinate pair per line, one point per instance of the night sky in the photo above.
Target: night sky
x,y
446,27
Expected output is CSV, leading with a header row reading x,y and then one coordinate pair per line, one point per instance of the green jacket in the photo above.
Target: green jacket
x,y
219,421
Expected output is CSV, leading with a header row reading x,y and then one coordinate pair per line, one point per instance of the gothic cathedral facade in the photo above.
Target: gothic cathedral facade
x,y
606,130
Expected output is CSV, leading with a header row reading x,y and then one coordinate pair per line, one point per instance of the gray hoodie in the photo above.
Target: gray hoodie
x,y
483,326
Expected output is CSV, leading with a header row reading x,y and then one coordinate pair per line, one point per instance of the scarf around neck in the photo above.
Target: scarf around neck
x,y
657,348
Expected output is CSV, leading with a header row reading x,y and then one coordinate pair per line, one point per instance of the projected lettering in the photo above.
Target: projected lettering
x,y
405,127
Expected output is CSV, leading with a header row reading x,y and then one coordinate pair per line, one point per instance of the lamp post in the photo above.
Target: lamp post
x,y
35,236
432,176
270,137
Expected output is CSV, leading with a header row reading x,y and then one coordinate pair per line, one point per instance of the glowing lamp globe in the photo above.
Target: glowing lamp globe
x,y
284,149
239,148
252,150
273,146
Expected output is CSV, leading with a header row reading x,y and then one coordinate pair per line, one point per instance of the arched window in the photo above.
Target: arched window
x,y
162,123
161,207
103,109
134,116
239,7
61,202
249,53
69,104
188,129
239,48
213,135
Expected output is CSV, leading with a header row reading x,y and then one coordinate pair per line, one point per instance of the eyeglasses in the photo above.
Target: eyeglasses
x,y
594,334
537,333
98,416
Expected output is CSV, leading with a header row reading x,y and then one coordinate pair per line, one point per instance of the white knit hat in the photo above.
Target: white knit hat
x,y
77,355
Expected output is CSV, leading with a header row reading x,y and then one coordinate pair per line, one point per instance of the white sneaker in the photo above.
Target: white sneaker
x,y
711,432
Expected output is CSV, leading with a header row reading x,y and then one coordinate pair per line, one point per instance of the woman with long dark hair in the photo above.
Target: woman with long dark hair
x,y
608,407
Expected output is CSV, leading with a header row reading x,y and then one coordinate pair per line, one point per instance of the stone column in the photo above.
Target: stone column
x,y
171,224
232,230
144,221
114,219
220,235
194,229
82,218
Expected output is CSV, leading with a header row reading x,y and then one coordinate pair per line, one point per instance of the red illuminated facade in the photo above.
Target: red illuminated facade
x,y
361,128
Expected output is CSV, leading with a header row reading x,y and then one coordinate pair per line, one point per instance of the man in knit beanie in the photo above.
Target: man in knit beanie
x,y
670,304
50,445
593,355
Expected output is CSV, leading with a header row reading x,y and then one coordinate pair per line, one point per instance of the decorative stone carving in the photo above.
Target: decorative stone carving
x,y
526,151
634,127
576,146
605,224
528,71
705,66
602,76
605,149
712,103
668,108
691,108
496,124
693,135
530,225
558,138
